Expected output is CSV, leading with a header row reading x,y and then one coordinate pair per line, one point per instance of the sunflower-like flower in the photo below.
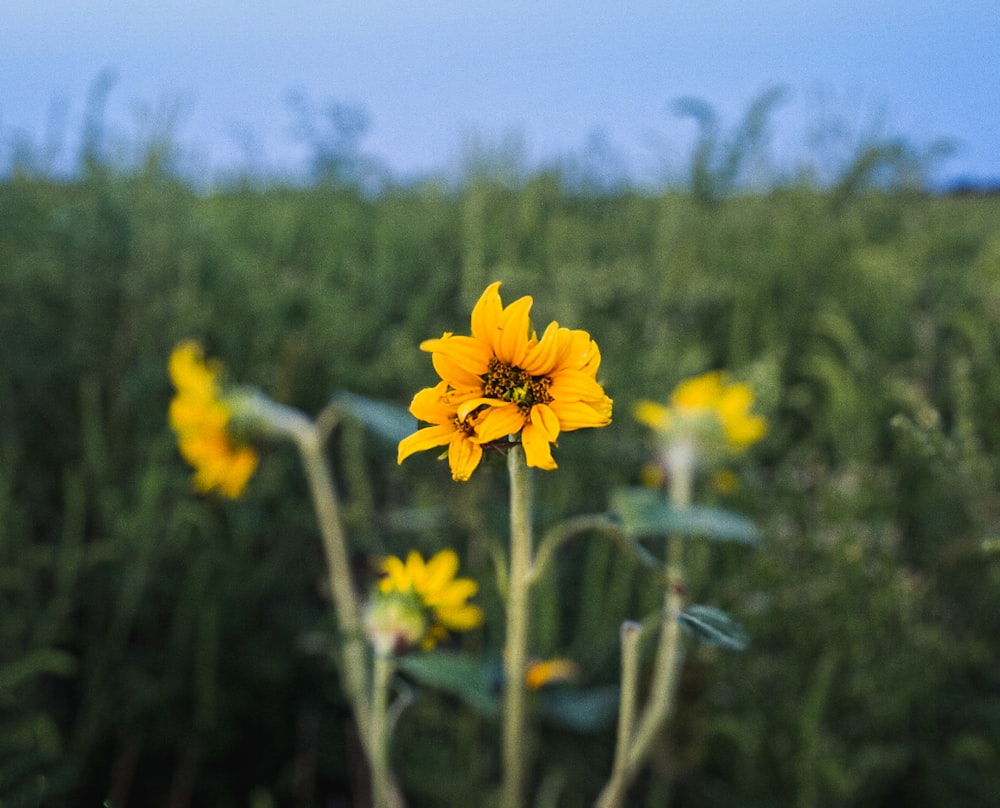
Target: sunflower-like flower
x,y
200,415
505,380
707,411
417,602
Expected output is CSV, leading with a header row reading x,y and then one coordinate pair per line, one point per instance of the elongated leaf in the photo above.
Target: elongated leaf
x,y
714,627
455,674
382,417
43,661
581,710
644,513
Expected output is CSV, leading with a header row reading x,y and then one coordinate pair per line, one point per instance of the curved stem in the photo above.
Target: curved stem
x,y
354,653
515,648
569,529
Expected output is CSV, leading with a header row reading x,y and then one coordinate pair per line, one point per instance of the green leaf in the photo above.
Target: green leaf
x,y
43,661
382,417
581,710
456,674
714,627
644,513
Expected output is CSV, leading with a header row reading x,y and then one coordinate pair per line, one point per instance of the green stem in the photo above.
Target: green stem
x,y
383,786
354,652
515,649
630,635
555,538
657,710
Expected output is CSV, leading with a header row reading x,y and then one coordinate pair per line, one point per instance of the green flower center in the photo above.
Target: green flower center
x,y
509,383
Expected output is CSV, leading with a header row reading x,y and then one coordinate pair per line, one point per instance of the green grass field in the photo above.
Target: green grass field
x,y
159,648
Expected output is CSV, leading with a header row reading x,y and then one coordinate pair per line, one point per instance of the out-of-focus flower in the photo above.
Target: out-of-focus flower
x,y
201,416
505,380
708,413
549,671
417,602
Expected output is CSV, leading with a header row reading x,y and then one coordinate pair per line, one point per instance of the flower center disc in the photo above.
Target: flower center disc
x,y
509,383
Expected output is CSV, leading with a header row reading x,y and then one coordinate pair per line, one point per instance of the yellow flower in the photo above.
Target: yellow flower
x,y
200,416
549,671
442,597
434,405
705,409
506,380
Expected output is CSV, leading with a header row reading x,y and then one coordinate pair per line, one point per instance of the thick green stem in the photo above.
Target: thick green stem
x,y
515,649
383,787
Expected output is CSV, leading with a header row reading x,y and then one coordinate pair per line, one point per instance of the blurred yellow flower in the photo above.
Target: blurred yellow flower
x,y
506,380
704,409
549,671
442,597
200,416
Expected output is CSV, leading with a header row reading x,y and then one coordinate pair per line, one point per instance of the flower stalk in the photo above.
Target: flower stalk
x,y
385,794
354,653
518,626
636,737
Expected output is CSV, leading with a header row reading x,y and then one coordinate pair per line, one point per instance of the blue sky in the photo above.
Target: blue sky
x,y
435,75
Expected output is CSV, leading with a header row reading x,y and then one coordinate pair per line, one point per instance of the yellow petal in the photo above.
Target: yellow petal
x,y
656,416
441,568
416,569
581,414
745,430
397,576
470,405
574,385
578,351
514,332
541,357
431,405
460,619
460,361
735,398
472,354
454,594
463,457
423,439
546,421
499,422
486,313
698,392
537,449
548,671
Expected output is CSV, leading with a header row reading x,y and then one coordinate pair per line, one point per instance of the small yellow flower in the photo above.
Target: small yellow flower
x,y
506,380
549,671
442,597
706,410
200,416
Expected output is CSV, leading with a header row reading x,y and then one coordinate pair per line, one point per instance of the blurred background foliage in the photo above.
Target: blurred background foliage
x,y
161,649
